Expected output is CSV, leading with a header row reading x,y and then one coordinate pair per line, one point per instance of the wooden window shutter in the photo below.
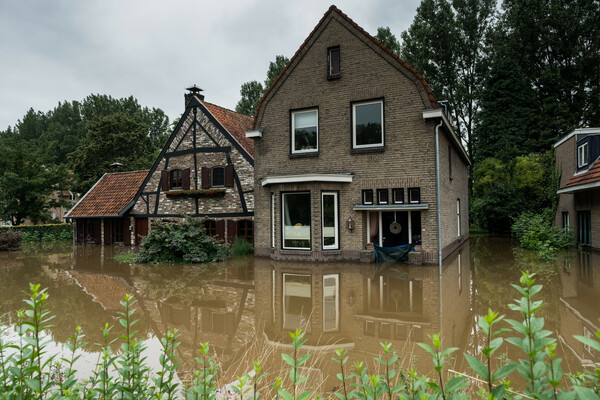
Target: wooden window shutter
x,y
231,231
220,230
229,175
164,180
205,178
107,231
186,179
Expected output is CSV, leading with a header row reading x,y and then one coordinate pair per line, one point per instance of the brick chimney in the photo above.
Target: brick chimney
x,y
193,91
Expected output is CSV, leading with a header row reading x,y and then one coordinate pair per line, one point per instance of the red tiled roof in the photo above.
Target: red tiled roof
x,y
590,176
333,8
235,123
110,195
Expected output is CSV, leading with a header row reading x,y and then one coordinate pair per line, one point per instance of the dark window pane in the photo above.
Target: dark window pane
x,y
334,61
218,176
296,220
368,124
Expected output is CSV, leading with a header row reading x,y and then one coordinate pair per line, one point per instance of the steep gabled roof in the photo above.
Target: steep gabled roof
x,y
110,196
334,9
592,175
235,123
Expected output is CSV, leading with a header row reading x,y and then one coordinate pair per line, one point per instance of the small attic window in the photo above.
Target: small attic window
x,y
333,62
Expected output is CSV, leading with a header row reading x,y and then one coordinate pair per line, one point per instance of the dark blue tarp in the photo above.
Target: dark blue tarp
x,y
397,253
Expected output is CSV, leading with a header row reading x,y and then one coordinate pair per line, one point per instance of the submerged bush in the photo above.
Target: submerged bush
x,y
10,240
241,247
536,232
181,242
42,233
26,370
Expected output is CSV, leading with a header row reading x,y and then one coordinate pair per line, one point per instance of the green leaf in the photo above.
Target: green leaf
x,y
504,371
33,384
585,393
589,342
285,395
478,366
303,359
538,369
427,348
288,359
456,383
304,395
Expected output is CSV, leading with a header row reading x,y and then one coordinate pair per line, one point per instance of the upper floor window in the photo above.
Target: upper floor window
x,y
367,124
176,178
367,196
382,196
218,176
582,155
305,131
398,196
414,195
333,62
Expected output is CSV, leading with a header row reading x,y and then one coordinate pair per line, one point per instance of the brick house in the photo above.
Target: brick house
x,y
352,148
102,215
204,170
578,159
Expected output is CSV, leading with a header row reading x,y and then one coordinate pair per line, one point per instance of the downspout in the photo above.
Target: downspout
x,y
439,213
437,190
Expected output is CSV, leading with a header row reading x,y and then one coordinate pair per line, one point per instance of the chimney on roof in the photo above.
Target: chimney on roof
x,y
116,167
193,91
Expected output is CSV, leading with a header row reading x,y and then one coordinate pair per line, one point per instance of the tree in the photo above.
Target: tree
x,y
507,124
251,92
113,138
26,184
447,44
388,39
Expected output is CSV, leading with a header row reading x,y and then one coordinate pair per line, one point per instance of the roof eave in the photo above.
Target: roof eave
x,y
576,188
68,214
439,113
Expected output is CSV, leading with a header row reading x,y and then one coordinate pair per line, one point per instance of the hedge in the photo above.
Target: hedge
x,y
42,233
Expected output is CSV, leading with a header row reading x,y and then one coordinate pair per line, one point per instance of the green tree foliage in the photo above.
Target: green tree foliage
x,y
113,138
508,123
503,190
251,92
26,184
388,39
447,44
558,47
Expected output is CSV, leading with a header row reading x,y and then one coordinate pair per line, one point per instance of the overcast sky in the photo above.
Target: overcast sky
x,y
54,51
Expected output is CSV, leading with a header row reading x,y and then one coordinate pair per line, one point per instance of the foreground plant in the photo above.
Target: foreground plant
x,y
455,384
295,361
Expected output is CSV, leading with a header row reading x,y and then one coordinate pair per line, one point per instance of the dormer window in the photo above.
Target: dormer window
x,y
582,155
333,62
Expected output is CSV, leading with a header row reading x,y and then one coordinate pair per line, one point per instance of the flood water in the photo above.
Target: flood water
x,y
245,307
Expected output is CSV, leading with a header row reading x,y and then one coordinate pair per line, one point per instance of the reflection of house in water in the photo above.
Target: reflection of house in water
x,y
341,305
580,297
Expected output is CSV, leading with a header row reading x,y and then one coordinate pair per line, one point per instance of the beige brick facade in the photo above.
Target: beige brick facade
x,y
407,159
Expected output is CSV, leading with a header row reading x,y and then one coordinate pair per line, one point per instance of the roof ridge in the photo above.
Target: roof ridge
x,y
331,9
127,172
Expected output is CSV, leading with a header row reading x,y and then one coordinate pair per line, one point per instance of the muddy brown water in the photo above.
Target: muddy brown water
x,y
245,308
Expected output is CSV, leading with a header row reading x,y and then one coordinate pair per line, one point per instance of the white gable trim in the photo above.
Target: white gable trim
x,y
339,178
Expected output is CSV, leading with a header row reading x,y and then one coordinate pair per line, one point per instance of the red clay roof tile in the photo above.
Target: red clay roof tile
x,y
110,195
235,123
590,176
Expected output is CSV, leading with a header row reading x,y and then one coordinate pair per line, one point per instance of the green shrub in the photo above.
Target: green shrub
x,y
536,232
181,242
241,247
42,233
27,371
10,240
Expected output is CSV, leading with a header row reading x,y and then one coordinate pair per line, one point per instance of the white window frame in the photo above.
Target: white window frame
x,y
384,200
582,155
272,219
337,302
293,133
410,199
336,227
367,146
283,246
364,192
395,200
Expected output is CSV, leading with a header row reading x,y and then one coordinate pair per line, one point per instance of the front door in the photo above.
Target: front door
x,y
394,226
141,229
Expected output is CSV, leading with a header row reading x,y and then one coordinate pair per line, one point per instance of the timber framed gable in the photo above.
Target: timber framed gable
x,y
205,169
